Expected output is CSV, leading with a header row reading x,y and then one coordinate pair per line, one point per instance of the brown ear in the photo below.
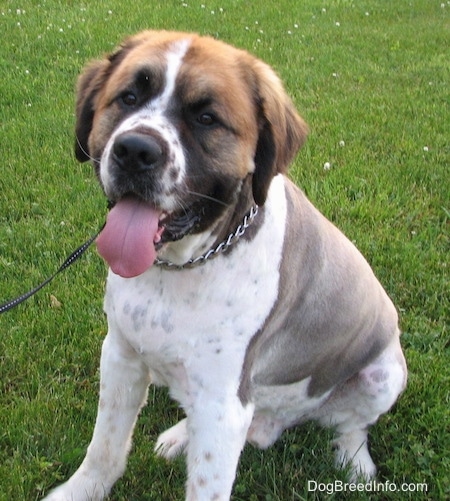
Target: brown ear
x,y
89,84
282,131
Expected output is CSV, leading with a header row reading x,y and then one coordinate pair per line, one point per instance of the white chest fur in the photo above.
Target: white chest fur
x,y
192,327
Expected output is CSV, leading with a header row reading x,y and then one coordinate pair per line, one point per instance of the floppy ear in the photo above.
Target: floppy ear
x,y
89,84
281,134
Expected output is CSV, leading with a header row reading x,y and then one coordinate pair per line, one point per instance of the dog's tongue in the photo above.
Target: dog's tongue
x,y
127,242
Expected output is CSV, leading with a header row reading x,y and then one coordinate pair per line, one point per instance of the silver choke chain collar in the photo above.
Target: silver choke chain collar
x,y
212,253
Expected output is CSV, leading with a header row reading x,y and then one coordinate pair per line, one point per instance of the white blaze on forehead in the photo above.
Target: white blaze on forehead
x,y
153,117
174,58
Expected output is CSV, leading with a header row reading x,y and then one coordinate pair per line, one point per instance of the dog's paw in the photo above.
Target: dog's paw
x,y
351,451
173,441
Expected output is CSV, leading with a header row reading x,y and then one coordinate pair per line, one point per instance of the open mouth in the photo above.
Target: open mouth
x,y
134,232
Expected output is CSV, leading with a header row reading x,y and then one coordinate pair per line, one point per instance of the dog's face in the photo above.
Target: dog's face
x,y
181,122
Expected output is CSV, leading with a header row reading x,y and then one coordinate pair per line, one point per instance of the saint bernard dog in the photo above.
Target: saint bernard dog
x,y
225,283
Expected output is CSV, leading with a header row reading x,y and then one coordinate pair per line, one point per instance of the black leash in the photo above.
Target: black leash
x,y
70,260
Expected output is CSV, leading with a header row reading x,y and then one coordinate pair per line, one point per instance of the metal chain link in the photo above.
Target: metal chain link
x,y
212,253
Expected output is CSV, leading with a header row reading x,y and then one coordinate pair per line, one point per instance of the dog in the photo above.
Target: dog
x,y
225,283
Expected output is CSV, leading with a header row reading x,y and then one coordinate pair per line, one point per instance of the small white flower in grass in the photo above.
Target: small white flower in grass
x,y
324,10
341,143
326,166
335,75
109,12
337,23
425,148
289,32
296,26
27,72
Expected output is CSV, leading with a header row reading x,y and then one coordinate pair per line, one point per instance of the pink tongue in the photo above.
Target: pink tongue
x,y
127,243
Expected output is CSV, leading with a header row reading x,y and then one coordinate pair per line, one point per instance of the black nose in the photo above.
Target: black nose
x,y
136,152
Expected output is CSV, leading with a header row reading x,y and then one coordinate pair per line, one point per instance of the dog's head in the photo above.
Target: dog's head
x,y
180,122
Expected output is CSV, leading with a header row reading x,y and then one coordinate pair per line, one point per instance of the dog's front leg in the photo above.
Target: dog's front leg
x,y
217,430
123,390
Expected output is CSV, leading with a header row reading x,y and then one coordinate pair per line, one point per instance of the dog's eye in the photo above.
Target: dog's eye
x,y
206,119
129,99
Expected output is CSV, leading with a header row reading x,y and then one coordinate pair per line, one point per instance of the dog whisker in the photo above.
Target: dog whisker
x,y
207,197
84,151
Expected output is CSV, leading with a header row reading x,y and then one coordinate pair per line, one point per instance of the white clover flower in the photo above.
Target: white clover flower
x,y
326,166
425,148
341,143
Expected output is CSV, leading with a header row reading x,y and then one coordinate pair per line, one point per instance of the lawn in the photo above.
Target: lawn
x,y
372,80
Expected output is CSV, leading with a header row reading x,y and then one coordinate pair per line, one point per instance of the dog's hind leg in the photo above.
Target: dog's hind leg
x,y
359,403
123,390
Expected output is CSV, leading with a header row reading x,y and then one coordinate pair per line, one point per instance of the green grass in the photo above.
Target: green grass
x,y
378,81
